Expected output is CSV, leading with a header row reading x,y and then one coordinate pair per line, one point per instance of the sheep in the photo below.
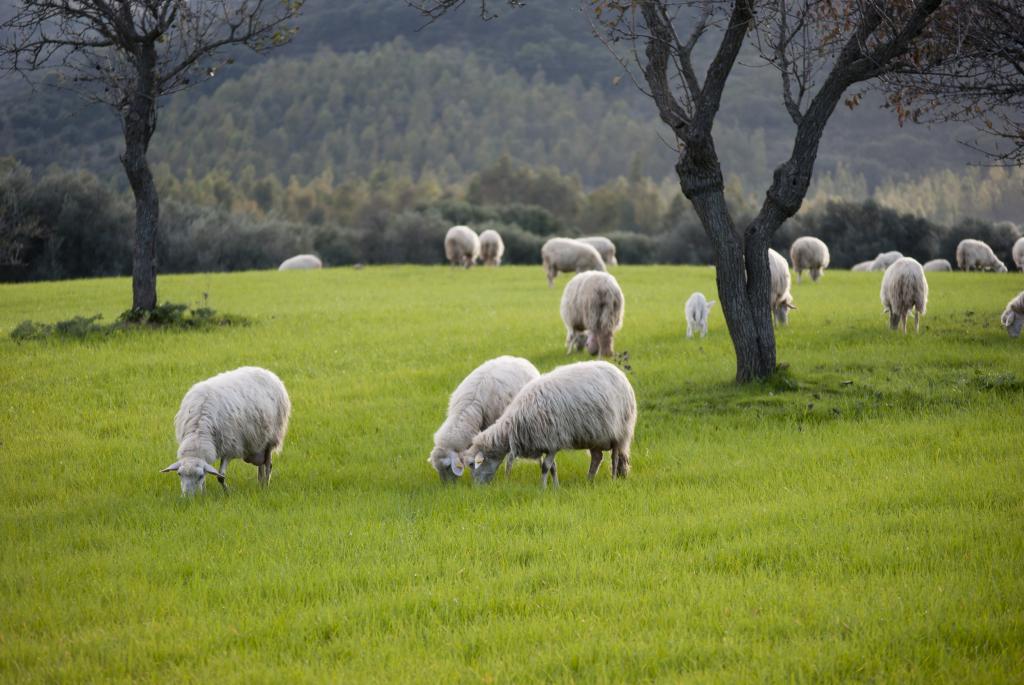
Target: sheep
x,y
604,247
592,309
975,255
241,413
781,298
862,266
904,287
1018,253
884,260
938,265
302,261
477,403
587,405
492,248
461,246
1013,316
809,253
697,310
565,254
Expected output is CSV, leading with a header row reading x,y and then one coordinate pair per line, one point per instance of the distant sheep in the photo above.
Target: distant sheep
x,y
862,266
477,402
697,310
492,248
938,265
1018,253
565,254
302,261
588,405
884,260
811,254
604,247
1013,316
781,298
592,309
975,255
461,246
904,288
241,413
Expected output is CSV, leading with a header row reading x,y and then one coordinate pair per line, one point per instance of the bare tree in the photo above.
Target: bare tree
x,y
129,54
821,48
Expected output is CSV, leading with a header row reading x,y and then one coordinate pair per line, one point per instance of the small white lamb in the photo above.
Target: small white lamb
x,y
697,310
242,413
904,288
592,310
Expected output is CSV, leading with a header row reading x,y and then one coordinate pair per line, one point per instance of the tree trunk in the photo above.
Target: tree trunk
x,y
139,122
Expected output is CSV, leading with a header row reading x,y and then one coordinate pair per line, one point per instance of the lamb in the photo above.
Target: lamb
x,y
241,413
781,298
975,255
477,403
862,266
302,261
492,248
809,253
592,309
604,247
461,246
587,405
884,260
1018,253
697,310
565,254
938,265
904,287
1013,316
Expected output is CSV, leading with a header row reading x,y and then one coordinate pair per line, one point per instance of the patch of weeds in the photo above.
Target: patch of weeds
x,y
165,316
622,360
999,382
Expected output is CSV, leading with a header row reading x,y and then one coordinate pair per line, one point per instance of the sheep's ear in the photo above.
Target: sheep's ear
x,y
212,471
478,460
790,305
457,467
711,304
173,467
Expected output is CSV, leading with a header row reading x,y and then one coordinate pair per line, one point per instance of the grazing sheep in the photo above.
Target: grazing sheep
x,y
781,298
461,246
904,287
477,402
1013,316
592,309
938,265
302,261
492,248
884,260
975,255
582,406
565,254
1018,253
604,247
862,266
697,310
241,413
809,253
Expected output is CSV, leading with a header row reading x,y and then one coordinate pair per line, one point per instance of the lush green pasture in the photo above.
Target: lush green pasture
x,y
857,519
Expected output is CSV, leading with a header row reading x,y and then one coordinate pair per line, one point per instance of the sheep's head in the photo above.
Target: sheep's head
x,y
1012,322
449,464
192,472
593,344
782,309
1000,267
579,340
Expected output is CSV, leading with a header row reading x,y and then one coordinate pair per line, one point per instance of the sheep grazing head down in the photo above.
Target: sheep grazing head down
x,y
782,309
192,472
449,464
1012,322
485,465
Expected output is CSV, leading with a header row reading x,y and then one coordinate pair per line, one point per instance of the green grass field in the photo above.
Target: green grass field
x,y
806,529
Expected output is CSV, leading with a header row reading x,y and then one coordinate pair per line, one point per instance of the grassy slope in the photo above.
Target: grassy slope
x,y
802,531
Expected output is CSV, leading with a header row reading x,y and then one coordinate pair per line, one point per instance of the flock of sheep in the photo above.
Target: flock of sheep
x,y
505,408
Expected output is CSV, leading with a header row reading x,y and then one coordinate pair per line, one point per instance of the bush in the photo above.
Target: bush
x,y
168,315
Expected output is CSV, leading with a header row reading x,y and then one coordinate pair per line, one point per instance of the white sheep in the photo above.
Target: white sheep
x,y
862,266
904,287
565,254
604,247
492,247
781,299
461,246
477,402
809,253
697,310
241,413
302,261
1018,253
884,260
976,255
937,265
592,309
1013,316
582,406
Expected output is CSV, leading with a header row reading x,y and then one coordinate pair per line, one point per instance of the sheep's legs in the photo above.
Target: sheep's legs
x,y
596,456
223,473
917,321
265,468
547,466
689,331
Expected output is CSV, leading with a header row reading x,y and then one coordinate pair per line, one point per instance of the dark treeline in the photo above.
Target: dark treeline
x,y
70,224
